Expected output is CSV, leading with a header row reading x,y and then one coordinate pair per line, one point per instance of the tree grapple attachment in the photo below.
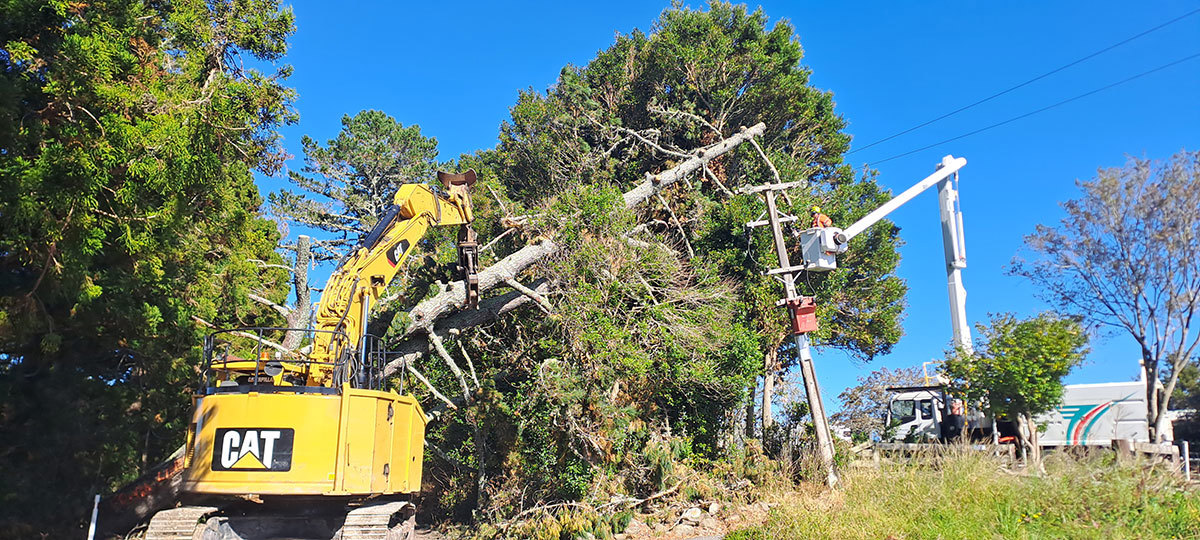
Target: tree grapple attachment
x,y
458,186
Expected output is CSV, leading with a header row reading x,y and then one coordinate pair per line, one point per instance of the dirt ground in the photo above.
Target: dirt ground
x,y
707,524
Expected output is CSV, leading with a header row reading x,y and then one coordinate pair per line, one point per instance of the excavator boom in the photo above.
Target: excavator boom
x,y
362,277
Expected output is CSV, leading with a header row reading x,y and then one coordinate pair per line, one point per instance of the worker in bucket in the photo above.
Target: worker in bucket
x,y
819,219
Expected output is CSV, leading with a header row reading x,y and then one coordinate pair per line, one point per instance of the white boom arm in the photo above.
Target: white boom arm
x,y
954,243
820,246
949,166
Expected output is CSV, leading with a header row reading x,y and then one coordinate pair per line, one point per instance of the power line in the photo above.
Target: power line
x,y
1030,81
1043,109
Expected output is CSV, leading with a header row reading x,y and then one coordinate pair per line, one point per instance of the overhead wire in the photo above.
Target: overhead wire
x,y
1043,109
1030,81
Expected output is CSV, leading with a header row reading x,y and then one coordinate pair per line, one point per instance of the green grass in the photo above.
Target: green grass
x,y
968,496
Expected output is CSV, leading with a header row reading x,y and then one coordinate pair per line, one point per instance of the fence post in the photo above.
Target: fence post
x,y
92,527
1187,461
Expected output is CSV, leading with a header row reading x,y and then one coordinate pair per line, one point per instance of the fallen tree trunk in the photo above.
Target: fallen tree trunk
x,y
412,349
425,314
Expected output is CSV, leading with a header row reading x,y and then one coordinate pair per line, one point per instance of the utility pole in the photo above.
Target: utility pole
x,y
802,310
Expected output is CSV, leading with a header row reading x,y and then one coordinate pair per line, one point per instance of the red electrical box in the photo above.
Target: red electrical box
x,y
804,314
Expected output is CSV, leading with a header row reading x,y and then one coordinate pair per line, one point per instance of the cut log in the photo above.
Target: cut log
x,y
656,183
454,296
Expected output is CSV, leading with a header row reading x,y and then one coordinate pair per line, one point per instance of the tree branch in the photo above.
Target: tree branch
x,y
429,386
278,308
440,347
541,301
682,232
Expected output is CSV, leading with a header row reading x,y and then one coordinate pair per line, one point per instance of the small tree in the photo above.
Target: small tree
x,y
1017,368
864,406
1127,255
348,183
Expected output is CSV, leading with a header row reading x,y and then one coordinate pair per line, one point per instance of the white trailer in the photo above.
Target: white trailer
x,y
1097,414
1090,415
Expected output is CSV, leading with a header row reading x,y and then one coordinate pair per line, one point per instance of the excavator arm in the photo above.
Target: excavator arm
x,y
362,277
339,341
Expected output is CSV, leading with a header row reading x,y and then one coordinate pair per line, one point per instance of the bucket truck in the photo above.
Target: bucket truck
x,y
820,247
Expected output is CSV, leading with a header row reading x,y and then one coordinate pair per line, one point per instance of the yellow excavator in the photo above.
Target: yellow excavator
x,y
310,443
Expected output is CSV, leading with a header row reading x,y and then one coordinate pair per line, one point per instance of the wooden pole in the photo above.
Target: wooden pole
x,y
803,353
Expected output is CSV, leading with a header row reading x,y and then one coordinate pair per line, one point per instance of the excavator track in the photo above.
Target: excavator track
x,y
177,523
375,522
392,520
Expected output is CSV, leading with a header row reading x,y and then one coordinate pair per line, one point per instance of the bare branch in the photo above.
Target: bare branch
x,y
541,301
763,155
682,232
282,310
717,181
470,364
440,347
432,390
498,237
265,264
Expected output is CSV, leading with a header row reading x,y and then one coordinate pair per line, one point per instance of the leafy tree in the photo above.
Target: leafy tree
x,y
1017,368
662,317
129,133
865,405
1127,256
696,78
349,182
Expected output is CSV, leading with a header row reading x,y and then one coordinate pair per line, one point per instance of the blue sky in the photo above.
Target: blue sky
x,y
456,68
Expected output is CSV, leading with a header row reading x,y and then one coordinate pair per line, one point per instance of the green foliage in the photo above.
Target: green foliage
x,y
1187,397
963,496
1018,366
129,133
661,313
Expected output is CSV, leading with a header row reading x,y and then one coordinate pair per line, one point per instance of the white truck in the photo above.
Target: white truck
x,y
1090,415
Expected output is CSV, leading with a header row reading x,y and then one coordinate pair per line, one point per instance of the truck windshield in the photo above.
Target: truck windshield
x,y
904,410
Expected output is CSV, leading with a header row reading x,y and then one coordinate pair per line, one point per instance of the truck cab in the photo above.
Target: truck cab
x,y
916,413
927,413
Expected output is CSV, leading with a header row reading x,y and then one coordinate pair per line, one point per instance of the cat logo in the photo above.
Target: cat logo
x,y
253,449
397,252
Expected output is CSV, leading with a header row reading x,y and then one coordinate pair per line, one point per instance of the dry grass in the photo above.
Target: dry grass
x,y
971,496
